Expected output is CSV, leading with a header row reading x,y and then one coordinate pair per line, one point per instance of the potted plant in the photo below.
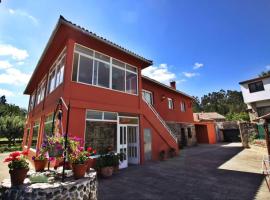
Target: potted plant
x,y
40,160
91,162
162,155
105,164
18,167
78,159
55,146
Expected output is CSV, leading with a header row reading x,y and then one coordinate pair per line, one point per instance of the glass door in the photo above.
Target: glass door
x,y
122,145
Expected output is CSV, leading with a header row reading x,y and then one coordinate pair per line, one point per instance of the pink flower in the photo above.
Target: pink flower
x,y
15,154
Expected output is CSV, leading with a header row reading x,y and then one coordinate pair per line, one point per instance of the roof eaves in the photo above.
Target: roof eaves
x,y
166,86
254,79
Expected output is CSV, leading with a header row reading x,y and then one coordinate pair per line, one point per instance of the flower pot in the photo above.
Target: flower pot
x,y
79,170
55,152
40,165
106,171
17,176
91,163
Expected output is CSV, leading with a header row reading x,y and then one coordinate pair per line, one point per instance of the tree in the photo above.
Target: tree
x,y
11,127
228,102
3,100
264,73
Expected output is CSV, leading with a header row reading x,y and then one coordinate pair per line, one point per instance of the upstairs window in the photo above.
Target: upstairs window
x,y
148,96
256,87
56,74
32,101
40,92
97,69
183,106
170,103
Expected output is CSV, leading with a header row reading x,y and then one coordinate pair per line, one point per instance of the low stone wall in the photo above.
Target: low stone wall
x,y
81,189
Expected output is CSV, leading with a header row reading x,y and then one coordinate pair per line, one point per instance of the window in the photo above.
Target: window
x,y
32,101
170,103
189,132
56,74
35,135
97,69
183,106
100,115
101,130
40,92
148,96
256,87
27,137
48,125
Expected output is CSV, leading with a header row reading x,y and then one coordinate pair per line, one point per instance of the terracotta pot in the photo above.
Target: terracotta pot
x,y
91,163
17,176
40,165
79,170
106,171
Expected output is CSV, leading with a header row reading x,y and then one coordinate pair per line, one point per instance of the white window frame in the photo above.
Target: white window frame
x,y
110,73
151,94
102,116
170,103
54,68
32,101
41,91
33,133
183,106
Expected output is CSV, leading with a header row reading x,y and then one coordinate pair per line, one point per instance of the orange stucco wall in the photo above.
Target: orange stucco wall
x,y
206,132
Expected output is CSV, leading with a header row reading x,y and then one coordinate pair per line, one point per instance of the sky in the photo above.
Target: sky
x,y
203,45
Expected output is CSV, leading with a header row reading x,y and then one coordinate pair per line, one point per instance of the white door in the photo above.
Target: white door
x,y
133,145
122,145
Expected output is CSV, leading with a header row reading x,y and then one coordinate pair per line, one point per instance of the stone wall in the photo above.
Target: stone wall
x,y
81,189
176,129
246,129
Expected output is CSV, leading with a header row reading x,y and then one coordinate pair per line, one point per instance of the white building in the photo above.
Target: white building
x,y
256,93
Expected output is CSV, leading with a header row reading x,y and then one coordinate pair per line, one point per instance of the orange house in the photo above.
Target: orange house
x,y
109,98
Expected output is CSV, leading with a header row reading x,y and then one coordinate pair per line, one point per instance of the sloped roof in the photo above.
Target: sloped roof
x,y
62,20
166,86
207,116
254,79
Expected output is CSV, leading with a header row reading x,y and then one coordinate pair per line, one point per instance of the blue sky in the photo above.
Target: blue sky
x,y
205,45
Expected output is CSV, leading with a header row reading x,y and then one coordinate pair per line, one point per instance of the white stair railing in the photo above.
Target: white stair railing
x,y
160,119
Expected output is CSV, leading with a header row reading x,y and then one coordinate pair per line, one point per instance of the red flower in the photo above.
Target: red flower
x,y
94,152
15,154
8,159
80,148
89,149
25,153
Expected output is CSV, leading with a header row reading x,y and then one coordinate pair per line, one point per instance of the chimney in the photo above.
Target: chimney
x,y
173,84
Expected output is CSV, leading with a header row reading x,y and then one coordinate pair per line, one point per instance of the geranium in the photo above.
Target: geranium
x,y
78,156
91,151
16,160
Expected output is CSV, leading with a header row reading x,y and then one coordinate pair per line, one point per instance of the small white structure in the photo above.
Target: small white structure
x,y
256,93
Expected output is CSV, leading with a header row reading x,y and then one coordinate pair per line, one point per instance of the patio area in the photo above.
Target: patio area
x,y
221,171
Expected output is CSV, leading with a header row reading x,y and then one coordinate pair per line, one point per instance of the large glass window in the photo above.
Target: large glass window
x,y
183,106
85,70
56,75
118,79
170,103
32,101
94,68
35,135
101,130
148,96
48,125
40,92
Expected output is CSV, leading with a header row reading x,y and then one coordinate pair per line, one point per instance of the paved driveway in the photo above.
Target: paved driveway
x,y
202,172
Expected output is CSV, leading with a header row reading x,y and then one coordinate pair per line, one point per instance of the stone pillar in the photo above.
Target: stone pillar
x,y
243,127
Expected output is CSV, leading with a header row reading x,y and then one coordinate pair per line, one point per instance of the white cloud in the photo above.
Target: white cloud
x,y
4,64
197,65
267,67
14,52
160,73
7,93
190,74
14,76
22,13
